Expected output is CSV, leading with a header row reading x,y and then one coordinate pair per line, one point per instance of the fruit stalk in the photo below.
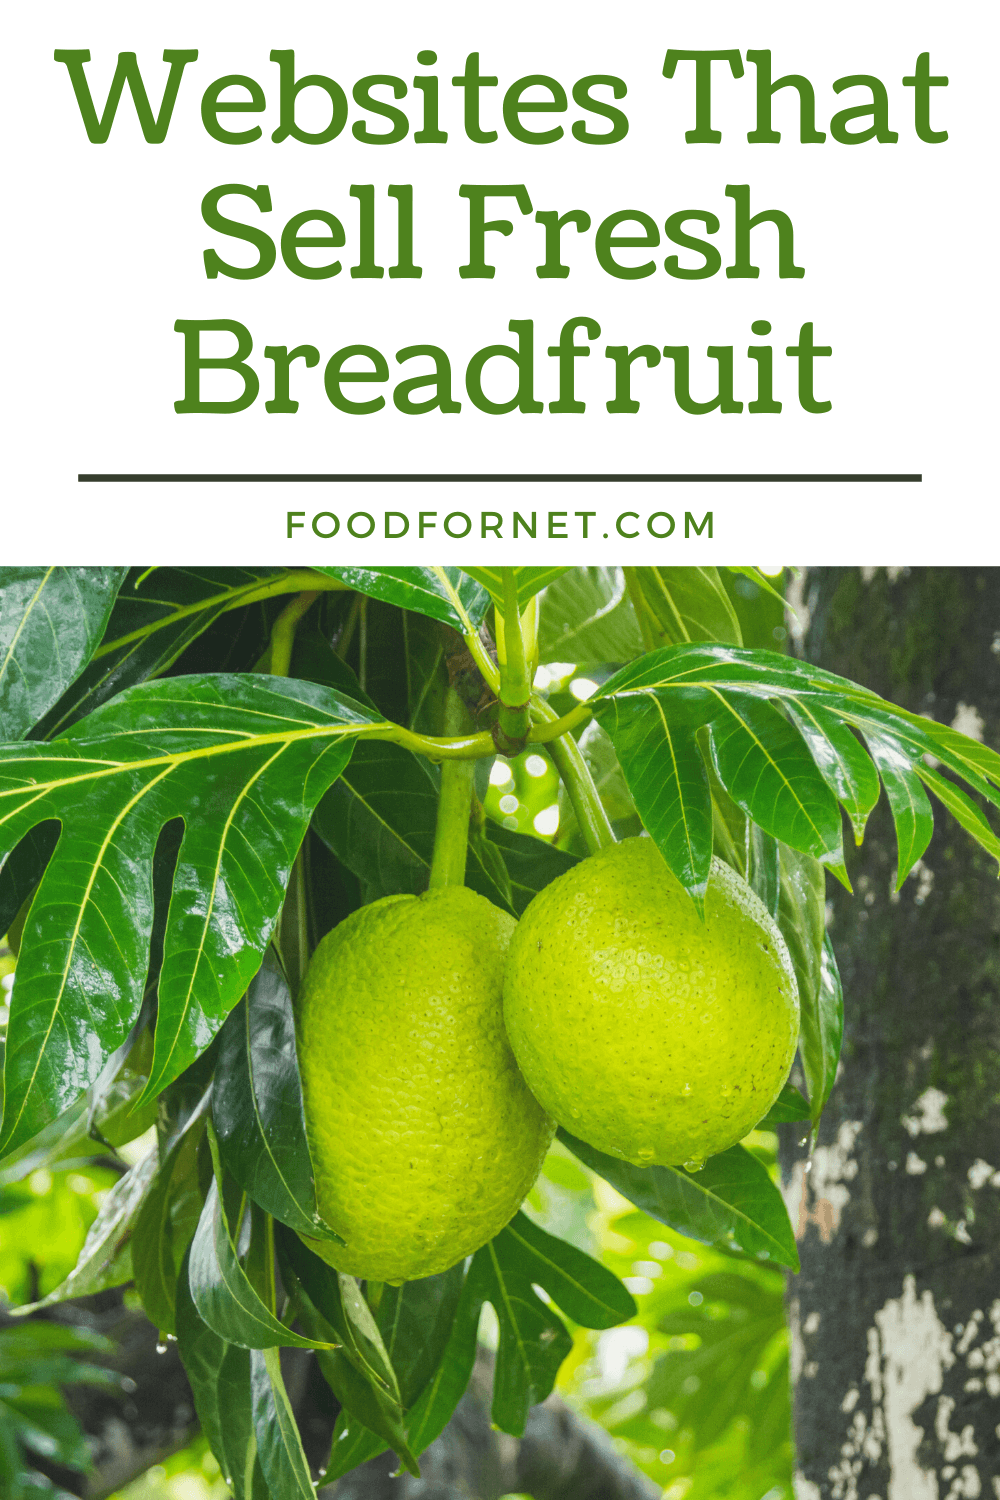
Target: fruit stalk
x,y
451,832
576,778
510,733
283,632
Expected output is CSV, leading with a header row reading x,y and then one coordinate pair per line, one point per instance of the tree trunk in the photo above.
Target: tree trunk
x,y
896,1315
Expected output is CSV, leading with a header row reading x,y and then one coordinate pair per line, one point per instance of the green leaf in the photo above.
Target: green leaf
x,y
761,580
22,869
789,1106
585,1290
823,1032
842,761
533,1339
378,818
51,620
241,1459
279,1446
415,1321
259,752
531,863
222,1291
426,673
257,1105
738,1328
444,594
687,604
802,920
39,1417
105,1259
731,1203
530,581
666,776
202,1352
786,784
434,1409
962,809
911,810
766,768
335,1296
157,614
360,1372
586,617
219,1375
764,867
164,1227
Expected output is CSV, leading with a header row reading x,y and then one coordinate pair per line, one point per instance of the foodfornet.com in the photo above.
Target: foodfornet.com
x,y
528,525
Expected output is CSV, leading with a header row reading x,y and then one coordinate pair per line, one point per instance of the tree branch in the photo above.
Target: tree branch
x,y
560,1457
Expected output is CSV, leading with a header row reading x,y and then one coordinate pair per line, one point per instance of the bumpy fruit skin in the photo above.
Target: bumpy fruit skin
x,y
646,1033
423,1134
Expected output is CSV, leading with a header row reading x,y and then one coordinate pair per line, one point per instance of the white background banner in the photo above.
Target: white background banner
x,y
105,253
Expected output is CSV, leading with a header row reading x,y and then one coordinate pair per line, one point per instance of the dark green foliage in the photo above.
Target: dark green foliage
x,y
177,813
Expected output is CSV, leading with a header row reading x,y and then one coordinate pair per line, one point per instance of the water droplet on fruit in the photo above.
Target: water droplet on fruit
x,y
686,1090
575,1113
645,1153
696,1164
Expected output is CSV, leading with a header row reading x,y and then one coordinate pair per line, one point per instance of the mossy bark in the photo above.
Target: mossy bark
x,y
896,1314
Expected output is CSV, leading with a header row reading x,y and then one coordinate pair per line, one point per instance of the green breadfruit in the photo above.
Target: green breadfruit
x,y
649,1034
423,1134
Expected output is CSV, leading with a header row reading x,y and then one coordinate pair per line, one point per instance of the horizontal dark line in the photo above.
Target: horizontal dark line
x,y
500,478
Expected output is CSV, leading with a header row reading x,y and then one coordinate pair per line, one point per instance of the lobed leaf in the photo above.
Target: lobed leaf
x,y
789,770
243,760
911,810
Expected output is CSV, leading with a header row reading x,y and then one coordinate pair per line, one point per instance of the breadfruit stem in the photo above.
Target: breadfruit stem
x,y
283,632
451,832
487,666
513,724
471,746
576,778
